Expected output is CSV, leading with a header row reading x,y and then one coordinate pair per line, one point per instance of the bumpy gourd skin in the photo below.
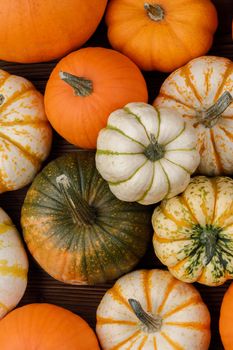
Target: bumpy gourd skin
x,y
193,231
76,229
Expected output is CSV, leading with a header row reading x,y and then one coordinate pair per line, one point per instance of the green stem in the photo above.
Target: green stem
x,y
154,11
208,236
211,116
82,212
82,86
151,324
1,99
154,151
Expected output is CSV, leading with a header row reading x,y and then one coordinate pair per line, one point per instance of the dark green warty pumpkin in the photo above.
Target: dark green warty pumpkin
x,y
76,229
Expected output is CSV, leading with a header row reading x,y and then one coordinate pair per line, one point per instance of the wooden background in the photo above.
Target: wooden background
x,y
84,300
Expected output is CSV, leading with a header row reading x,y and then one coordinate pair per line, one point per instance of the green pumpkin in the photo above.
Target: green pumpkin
x,y
76,229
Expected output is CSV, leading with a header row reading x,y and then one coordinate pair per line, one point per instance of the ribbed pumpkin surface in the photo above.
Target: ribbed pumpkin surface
x,y
25,133
161,35
76,229
197,92
13,265
146,154
193,231
173,315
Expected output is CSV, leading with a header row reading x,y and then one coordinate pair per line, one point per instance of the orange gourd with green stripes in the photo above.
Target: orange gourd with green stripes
x,y
202,92
76,229
25,134
194,232
13,265
150,309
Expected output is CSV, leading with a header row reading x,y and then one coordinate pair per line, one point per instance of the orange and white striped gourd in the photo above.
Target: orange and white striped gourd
x,y
194,232
202,92
13,265
25,134
146,154
150,309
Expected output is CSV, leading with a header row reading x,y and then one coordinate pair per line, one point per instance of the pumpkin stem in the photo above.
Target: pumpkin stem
x,y
155,12
150,324
211,116
82,86
154,151
1,99
82,212
208,236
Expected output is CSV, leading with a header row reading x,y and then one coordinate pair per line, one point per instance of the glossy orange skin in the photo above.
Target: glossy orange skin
x,y
36,30
226,319
116,82
45,327
185,32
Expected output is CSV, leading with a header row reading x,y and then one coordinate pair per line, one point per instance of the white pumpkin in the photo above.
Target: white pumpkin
x,y
13,265
25,134
146,154
202,92
151,310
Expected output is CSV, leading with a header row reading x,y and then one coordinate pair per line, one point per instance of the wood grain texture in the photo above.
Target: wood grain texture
x,y
84,300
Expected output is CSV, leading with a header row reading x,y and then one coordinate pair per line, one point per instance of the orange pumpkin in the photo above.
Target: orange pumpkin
x,y
36,31
85,87
161,35
45,327
226,319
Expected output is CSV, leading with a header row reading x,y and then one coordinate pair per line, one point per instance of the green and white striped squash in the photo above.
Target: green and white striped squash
x,y
76,229
146,154
194,232
13,265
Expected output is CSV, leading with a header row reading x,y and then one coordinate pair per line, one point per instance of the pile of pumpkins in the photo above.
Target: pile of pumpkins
x,y
86,218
